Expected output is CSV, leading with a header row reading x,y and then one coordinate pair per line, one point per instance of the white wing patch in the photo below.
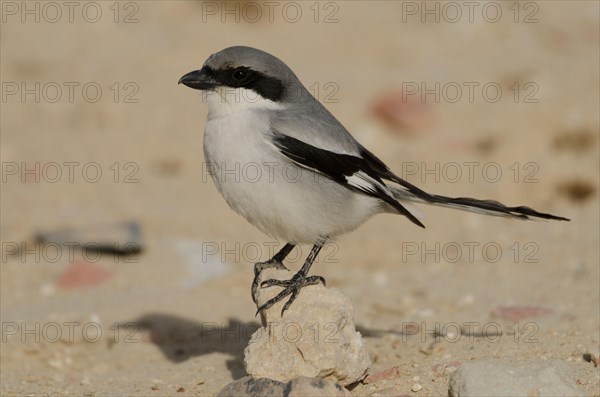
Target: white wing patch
x,y
364,182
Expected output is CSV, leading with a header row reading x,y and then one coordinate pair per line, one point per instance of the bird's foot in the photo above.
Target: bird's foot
x,y
290,287
259,267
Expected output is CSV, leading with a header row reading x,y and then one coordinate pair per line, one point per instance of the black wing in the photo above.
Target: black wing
x,y
353,172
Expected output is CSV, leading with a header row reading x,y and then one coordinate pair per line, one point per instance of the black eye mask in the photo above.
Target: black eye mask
x,y
244,77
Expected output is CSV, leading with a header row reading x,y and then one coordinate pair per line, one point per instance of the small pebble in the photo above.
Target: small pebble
x,y
466,300
94,318
47,290
416,387
387,374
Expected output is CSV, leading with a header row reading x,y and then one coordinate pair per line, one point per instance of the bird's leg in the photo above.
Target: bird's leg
x,y
276,261
296,283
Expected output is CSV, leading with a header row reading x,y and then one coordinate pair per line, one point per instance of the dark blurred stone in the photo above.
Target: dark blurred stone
x,y
301,386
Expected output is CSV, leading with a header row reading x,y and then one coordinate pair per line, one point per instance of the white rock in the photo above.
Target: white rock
x,y
489,378
315,338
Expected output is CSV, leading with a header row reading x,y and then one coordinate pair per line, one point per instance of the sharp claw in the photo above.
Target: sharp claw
x,y
289,302
258,268
285,307
269,303
254,288
263,284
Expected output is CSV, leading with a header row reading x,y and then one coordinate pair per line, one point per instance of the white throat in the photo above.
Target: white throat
x,y
227,101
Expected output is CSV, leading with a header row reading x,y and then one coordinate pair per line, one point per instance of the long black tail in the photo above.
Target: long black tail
x,y
409,192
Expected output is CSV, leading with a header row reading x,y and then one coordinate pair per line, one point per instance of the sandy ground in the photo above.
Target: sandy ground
x,y
175,319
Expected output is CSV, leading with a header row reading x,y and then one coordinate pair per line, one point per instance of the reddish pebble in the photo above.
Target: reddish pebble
x,y
82,274
386,374
402,111
516,313
155,388
180,390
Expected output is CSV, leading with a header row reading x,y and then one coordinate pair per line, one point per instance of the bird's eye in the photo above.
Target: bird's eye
x,y
241,74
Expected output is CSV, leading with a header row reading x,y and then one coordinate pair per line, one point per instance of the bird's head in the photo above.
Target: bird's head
x,y
247,76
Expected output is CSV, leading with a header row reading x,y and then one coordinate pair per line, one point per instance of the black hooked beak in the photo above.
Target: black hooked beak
x,y
199,80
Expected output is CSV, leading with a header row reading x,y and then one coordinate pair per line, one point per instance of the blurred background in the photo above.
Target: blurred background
x,y
101,147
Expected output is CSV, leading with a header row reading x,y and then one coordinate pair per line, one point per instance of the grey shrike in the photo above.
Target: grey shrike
x,y
316,181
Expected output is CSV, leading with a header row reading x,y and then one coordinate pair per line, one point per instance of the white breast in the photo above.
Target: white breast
x,y
262,185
